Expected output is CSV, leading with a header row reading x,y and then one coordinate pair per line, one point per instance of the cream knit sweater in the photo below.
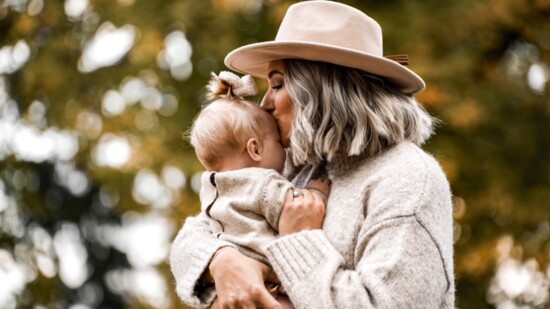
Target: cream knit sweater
x,y
386,241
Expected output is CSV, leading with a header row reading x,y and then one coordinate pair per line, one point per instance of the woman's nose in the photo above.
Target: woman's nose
x,y
267,102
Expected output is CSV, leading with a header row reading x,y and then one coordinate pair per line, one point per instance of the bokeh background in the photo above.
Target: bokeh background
x,y
95,178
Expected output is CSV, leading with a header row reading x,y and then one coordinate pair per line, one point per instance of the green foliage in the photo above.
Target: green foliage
x,y
486,64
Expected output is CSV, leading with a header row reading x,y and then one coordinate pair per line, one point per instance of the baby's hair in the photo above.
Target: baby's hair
x,y
225,125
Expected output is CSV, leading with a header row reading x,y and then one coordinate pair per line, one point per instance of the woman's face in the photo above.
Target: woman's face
x,y
277,102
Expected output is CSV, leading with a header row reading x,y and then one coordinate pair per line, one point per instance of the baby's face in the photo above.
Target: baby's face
x,y
273,155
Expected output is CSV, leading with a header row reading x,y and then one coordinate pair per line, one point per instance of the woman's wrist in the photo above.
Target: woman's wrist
x,y
216,262
207,279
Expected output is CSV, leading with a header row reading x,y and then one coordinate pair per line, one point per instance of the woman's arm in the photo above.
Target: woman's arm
x,y
398,266
240,281
196,254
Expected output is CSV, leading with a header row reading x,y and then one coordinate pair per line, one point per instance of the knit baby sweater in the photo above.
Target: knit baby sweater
x,y
243,207
386,240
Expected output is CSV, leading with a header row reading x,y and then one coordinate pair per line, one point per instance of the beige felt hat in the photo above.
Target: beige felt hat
x,y
331,32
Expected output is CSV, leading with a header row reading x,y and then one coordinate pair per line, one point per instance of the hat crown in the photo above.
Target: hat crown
x,y
331,23
331,32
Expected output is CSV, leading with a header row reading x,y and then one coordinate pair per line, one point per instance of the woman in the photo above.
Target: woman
x,y
344,111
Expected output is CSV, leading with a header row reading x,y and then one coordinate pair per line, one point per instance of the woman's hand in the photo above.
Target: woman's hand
x,y
304,209
240,281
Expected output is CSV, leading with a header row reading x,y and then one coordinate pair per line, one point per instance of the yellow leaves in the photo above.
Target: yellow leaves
x,y
147,48
126,2
542,4
26,25
478,261
505,11
465,114
432,96
459,208
451,169
277,12
248,6
498,11
224,5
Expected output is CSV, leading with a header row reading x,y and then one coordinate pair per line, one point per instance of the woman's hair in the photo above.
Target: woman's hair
x,y
345,111
224,125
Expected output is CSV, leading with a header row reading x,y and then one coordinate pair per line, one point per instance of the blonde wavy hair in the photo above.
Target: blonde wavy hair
x,y
345,111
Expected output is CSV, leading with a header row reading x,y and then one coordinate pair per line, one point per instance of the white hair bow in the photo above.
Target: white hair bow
x,y
228,83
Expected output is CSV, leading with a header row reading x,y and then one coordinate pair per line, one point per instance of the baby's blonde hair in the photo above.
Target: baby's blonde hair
x,y
225,125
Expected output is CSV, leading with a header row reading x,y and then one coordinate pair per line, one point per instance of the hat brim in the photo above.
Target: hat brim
x,y
253,59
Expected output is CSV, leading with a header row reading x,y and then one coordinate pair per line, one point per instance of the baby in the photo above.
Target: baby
x,y
243,191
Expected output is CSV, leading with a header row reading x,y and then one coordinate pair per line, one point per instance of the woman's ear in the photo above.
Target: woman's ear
x,y
254,149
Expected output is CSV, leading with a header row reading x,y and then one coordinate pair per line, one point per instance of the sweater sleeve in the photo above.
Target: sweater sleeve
x,y
190,256
274,193
409,273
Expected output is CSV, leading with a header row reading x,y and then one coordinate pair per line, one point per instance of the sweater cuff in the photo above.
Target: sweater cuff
x,y
296,256
189,288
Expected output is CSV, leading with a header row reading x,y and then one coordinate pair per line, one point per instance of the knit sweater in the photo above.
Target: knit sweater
x,y
386,240
243,207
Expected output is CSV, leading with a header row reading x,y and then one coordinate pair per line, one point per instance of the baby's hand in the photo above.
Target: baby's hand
x,y
320,187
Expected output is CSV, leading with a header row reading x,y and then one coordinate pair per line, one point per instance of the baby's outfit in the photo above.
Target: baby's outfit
x,y
243,207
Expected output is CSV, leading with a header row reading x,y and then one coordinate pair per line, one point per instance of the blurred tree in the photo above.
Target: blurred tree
x,y
95,178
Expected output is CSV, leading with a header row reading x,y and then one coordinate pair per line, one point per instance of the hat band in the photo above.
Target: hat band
x,y
401,59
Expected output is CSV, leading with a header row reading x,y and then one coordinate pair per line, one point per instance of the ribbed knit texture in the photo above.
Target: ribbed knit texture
x,y
386,241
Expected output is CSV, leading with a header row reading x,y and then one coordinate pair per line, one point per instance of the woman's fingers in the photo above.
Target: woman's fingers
x,y
240,280
265,300
322,186
256,298
245,302
318,196
304,212
313,201
268,274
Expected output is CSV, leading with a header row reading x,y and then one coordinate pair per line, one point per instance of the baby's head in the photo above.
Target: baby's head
x,y
232,133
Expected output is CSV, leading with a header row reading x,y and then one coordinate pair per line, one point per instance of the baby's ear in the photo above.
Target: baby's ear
x,y
254,149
